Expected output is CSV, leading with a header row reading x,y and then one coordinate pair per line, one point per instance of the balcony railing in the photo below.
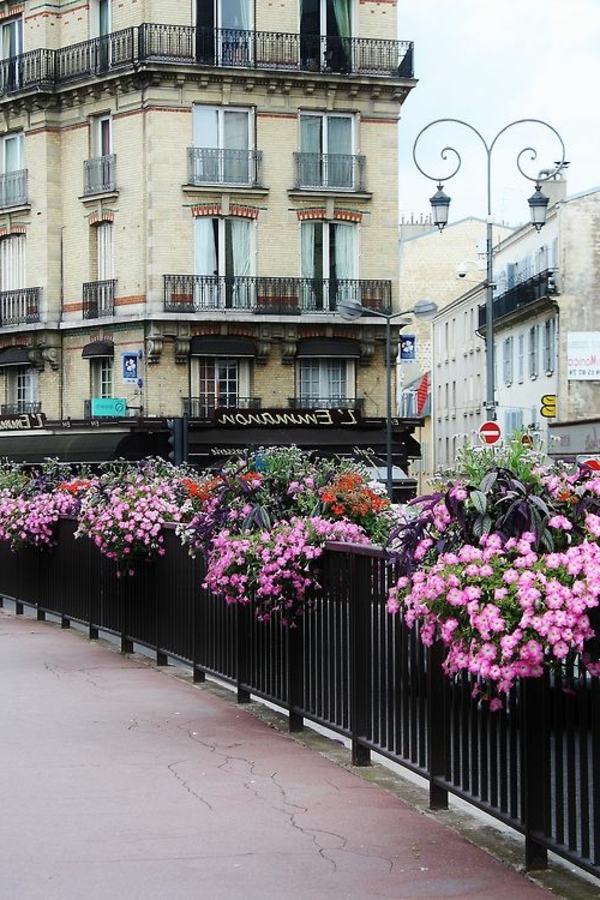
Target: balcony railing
x,y
333,171
204,407
13,188
100,174
276,296
21,408
20,307
521,294
209,166
181,45
326,403
99,298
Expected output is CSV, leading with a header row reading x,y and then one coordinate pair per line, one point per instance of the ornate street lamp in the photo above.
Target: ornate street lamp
x,y
538,204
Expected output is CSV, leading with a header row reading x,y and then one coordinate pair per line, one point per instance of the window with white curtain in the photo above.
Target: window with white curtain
x,y
104,245
224,262
325,382
521,358
12,165
328,263
327,148
222,141
12,263
101,141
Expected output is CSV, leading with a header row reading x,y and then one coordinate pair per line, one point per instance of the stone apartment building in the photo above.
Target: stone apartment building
x,y
187,189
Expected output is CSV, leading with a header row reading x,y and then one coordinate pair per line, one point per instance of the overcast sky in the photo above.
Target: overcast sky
x,y
490,62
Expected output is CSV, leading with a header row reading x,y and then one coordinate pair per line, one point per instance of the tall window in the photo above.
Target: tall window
x,y
12,180
102,371
99,169
324,382
222,141
223,31
104,251
100,18
548,346
12,263
22,389
507,359
328,255
222,383
11,49
326,151
533,351
325,30
101,136
224,260
513,419
521,358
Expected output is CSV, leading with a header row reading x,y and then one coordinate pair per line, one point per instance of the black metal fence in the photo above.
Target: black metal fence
x,y
354,668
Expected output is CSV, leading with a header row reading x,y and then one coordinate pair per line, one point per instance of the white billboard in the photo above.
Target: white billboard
x,y
583,356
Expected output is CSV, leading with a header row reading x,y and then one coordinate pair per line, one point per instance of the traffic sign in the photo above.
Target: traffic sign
x,y
490,433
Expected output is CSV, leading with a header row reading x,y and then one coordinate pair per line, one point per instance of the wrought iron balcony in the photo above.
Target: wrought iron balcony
x,y
204,407
521,294
100,174
20,307
326,403
21,408
181,45
209,166
99,298
275,296
332,171
13,189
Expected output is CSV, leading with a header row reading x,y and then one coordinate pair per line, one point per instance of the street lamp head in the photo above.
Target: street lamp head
x,y
538,205
350,309
424,309
440,205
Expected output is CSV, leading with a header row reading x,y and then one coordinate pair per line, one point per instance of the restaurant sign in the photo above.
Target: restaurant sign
x,y
23,422
287,418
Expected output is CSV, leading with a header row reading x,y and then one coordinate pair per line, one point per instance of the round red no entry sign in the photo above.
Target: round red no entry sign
x,y
490,433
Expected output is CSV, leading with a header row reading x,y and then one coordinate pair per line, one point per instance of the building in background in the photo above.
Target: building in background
x,y
185,194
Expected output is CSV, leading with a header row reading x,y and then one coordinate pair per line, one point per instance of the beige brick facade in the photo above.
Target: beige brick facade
x,y
145,77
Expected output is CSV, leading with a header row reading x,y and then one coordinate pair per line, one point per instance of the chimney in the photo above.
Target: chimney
x,y
556,187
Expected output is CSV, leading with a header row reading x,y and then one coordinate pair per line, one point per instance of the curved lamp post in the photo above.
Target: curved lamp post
x,y
350,310
538,204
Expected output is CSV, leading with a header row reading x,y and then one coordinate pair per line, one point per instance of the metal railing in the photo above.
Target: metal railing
x,y
326,403
99,298
354,668
13,188
333,171
204,407
20,307
21,407
521,294
100,174
277,296
210,166
181,45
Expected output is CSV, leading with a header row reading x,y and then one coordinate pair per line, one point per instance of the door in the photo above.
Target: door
x,y
221,146
223,32
223,257
326,151
326,35
329,263
12,162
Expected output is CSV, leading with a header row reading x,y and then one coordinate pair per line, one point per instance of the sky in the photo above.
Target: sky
x,y
489,63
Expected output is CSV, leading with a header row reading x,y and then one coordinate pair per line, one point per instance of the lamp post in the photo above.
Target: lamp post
x,y
350,310
538,204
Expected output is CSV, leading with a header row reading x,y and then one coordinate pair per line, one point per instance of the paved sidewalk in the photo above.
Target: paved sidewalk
x,y
117,782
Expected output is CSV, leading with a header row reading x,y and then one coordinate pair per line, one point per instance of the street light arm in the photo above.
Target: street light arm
x,y
445,150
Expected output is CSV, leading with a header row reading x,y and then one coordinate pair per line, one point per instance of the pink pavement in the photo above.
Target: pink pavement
x,y
119,783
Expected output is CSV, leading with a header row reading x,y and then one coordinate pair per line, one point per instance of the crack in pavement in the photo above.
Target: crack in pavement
x,y
185,784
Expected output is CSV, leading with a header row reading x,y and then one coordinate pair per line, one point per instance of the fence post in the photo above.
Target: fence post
x,y
295,675
123,595
436,726
199,603
535,768
359,601
243,612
